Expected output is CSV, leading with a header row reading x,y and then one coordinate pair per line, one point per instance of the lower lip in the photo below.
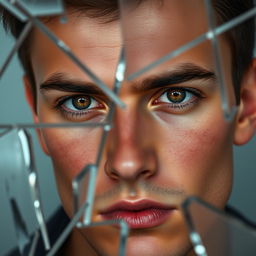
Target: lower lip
x,y
147,218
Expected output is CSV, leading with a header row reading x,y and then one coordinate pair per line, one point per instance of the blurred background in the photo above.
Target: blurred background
x,y
13,108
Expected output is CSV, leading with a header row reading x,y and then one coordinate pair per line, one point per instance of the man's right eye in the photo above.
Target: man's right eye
x,y
80,107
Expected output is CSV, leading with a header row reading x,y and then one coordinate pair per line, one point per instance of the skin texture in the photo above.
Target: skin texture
x,y
155,150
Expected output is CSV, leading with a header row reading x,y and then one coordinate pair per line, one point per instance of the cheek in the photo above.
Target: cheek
x,y
70,150
197,156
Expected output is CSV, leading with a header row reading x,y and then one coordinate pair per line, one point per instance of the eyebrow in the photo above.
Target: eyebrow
x,y
61,82
183,73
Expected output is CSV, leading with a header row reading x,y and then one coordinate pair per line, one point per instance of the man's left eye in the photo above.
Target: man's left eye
x,y
176,96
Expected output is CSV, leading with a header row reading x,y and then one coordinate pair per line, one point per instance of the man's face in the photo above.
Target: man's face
x,y
170,141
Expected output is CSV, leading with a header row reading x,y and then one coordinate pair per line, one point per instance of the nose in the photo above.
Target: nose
x,y
130,151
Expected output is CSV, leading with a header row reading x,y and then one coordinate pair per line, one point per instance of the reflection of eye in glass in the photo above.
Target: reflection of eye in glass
x,y
80,107
178,99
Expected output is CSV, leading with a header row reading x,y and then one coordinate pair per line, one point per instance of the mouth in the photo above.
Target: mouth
x,y
138,214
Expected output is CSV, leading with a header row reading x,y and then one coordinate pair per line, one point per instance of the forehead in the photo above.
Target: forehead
x,y
93,43
148,32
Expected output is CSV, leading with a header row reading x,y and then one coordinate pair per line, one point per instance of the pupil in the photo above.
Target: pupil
x,y
81,102
176,96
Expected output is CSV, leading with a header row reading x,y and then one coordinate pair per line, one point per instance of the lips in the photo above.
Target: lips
x,y
138,214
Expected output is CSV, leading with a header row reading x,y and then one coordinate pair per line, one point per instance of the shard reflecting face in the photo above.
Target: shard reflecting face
x,y
169,142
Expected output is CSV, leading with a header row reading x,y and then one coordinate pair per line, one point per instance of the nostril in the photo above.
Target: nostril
x,y
114,175
145,174
130,164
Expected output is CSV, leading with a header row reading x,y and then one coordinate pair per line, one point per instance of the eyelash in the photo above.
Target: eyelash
x,y
171,106
76,114
179,106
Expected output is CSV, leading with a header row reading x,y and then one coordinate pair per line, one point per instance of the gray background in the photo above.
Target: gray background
x,y
14,109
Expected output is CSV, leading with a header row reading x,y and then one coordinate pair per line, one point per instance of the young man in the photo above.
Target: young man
x,y
171,141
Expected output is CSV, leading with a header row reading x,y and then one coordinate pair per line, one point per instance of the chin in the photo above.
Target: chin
x,y
139,245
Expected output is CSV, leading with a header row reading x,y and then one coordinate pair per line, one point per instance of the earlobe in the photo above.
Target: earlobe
x,y
32,104
246,118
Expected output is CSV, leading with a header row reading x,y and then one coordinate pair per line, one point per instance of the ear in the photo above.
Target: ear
x,y
246,118
32,104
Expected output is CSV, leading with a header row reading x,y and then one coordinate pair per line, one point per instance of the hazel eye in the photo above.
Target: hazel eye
x,y
79,103
79,108
176,96
177,100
